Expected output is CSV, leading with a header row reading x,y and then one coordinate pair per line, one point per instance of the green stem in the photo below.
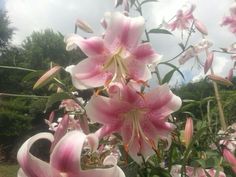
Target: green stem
x,y
18,68
158,75
220,107
20,95
218,100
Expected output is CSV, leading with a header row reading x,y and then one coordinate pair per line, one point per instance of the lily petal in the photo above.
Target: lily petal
x,y
66,154
92,46
61,131
145,53
31,165
106,111
162,101
88,74
141,74
124,31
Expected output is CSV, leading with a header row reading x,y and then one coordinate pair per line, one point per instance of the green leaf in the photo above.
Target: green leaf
x,y
160,31
189,113
160,172
198,162
174,67
32,75
211,162
146,1
188,101
190,146
168,77
181,46
54,98
132,2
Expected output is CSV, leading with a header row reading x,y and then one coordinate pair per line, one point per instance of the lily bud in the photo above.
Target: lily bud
x,y
208,62
188,131
200,27
219,80
50,74
230,74
83,26
230,158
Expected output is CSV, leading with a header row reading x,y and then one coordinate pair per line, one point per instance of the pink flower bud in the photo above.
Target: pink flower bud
x,y
188,131
230,158
208,62
47,77
83,26
200,27
219,80
230,74
103,23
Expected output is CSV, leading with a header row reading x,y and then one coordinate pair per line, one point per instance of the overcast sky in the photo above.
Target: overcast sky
x,y
34,15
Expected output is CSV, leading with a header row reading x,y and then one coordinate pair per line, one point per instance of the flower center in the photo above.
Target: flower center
x,y
135,116
116,66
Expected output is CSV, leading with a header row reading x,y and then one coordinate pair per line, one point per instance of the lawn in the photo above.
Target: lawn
x,y
8,170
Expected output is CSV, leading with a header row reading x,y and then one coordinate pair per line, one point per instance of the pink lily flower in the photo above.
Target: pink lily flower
x,y
69,105
195,51
182,19
65,160
140,119
231,20
230,158
115,58
125,4
194,172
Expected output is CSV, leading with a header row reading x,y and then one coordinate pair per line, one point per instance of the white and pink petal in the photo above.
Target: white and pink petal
x,y
88,73
145,53
32,166
123,31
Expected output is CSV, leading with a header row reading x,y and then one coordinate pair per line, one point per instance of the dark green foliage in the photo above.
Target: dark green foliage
x,y
12,123
44,47
21,115
202,92
5,30
197,92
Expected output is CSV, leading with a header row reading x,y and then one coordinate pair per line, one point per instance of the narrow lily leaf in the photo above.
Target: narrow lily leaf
x,y
189,113
220,80
132,2
168,76
198,134
188,101
146,1
158,171
174,67
160,31
49,75
181,46
56,98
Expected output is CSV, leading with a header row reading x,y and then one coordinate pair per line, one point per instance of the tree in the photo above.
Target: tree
x,y
46,46
6,31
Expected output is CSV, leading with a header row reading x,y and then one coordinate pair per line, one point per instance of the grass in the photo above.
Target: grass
x,y
8,170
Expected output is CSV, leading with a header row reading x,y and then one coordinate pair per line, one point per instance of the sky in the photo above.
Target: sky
x,y
35,15
2,4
